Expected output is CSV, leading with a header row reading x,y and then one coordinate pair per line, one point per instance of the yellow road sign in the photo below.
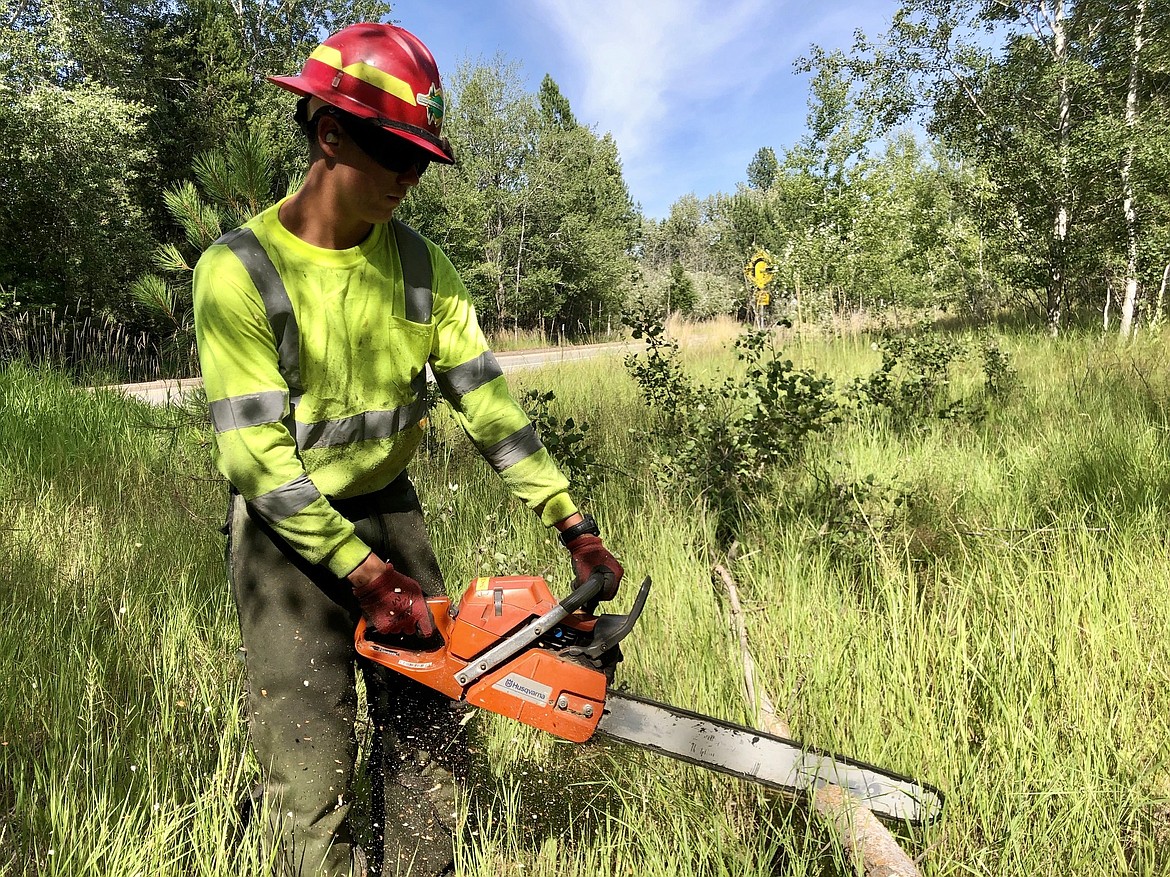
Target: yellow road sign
x,y
760,270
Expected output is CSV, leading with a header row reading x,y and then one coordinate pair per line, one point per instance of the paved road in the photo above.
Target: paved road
x,y
166,392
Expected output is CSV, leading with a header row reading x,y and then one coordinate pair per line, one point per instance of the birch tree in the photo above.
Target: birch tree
x,y
1129,206
1048,97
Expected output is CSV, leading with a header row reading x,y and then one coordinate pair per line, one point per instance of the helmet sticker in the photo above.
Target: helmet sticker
x,y
433,101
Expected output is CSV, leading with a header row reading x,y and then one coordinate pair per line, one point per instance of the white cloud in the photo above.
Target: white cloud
x,y
690,89
644,62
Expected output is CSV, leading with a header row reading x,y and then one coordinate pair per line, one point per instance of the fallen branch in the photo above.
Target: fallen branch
x,y
860,833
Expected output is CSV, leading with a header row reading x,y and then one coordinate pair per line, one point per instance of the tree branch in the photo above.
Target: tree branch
x,y
16,13
860,833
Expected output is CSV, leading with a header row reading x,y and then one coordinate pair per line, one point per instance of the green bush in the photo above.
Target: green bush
x,y
70,217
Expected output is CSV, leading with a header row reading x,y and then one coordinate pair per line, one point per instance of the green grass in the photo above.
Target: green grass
x,y
988,612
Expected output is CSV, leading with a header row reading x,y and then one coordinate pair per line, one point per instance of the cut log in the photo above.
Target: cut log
x,y
859,832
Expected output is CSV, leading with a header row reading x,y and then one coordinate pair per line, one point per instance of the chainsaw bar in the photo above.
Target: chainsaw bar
x,y
784,765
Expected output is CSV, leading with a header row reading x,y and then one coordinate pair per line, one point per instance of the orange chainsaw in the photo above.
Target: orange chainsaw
x,y
510,647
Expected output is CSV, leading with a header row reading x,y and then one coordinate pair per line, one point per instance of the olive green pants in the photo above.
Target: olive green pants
x,y
297,623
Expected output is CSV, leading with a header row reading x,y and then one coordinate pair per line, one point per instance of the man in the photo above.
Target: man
x,y
315,322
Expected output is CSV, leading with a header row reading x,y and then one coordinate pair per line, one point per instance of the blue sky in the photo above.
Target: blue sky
x,y
689,89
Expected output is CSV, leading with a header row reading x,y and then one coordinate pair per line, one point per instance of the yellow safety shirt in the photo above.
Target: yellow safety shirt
x,y
314,361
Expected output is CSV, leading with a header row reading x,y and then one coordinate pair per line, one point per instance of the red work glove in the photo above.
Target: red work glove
x,y
394,604
589,556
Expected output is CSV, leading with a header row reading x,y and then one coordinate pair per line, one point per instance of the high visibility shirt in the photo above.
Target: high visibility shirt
x,y
314,361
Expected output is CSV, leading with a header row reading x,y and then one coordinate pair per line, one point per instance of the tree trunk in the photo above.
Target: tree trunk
x,y
501,293
1158,312
1129,303
1058,251
520,249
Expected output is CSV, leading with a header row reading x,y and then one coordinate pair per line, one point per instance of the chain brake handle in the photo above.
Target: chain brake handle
x,y
609,630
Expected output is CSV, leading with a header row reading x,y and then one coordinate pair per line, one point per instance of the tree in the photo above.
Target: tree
x,y
172,78
1046,114
1132,115
762,169
476,208
74,233
554,106
681,292
536,212
587,225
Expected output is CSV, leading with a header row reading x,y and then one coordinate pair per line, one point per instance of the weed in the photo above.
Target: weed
x,y
917,381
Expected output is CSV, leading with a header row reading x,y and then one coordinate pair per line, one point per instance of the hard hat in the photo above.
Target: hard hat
x,y
383,74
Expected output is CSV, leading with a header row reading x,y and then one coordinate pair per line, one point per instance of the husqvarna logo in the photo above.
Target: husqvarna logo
x,y
524,688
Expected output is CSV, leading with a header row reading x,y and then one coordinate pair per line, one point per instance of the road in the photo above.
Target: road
x,y
168,391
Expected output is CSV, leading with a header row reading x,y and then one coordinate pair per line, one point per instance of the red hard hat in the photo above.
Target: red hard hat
x,y
381,73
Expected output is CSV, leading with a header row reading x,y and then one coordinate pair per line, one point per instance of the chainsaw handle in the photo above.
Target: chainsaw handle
x,y
588,590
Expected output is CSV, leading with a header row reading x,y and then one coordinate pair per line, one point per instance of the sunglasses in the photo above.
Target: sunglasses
x,y
388,150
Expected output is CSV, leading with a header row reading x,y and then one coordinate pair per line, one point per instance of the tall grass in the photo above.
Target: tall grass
x,y
980,604
94,349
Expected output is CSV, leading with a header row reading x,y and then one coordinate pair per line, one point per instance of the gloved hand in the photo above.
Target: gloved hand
x,y
590,555
393,603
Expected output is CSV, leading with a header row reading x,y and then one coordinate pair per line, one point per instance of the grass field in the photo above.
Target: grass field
x,y
981,604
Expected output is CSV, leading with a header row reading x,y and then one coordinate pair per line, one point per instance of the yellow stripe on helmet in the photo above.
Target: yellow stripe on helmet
x,y
370,75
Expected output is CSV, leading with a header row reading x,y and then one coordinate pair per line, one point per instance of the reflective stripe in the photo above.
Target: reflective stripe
x,y
417,274
277,305
364,427
417,279
252,410
286,500
468,376
367,73
520,445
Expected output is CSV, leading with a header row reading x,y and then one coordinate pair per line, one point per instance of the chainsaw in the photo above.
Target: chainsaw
x,y
510,647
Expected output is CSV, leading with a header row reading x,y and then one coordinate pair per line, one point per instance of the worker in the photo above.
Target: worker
x,y
315,322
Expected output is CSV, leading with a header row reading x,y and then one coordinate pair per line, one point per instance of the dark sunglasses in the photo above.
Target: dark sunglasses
x,y
389,150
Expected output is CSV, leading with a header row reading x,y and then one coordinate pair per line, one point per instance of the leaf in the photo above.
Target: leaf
x,y
155,294
168,258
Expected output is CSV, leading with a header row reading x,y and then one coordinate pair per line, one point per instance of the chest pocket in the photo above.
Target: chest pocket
x,y
417,278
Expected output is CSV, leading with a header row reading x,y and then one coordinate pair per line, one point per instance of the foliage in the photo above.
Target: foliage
x,y
916,381
230,187
567,441
855,511
535,212
722,442
1050,101
70,217
107,106
762,169
680,295
1040,186
853,229
1034,177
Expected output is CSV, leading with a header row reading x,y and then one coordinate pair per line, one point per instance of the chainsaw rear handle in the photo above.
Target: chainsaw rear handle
x,y
612,629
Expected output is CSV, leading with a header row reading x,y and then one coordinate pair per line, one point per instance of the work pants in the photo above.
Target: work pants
x,y
297,624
